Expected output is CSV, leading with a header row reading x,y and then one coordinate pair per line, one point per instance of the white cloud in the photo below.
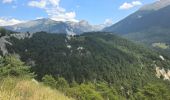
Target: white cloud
x,y
7,1
108,22
136,3
7,21
60,14
41,4
126,6
54,2
53,9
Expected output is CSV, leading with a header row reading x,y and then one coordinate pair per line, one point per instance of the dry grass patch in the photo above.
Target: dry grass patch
x,y
14,89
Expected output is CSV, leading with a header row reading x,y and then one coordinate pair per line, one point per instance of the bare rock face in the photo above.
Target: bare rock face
x,y
22,35
161,57
163,73
4,40
3,43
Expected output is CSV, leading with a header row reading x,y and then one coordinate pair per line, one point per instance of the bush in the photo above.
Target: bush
x,y
49,81
62,84
84,92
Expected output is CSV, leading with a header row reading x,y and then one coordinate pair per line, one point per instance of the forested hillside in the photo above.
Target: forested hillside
x,y
91,57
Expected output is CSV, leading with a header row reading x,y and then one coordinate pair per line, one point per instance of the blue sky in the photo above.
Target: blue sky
x,y
94,11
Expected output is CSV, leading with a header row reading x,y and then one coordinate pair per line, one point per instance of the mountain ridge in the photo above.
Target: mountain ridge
x,y
143,19
156,5
52,26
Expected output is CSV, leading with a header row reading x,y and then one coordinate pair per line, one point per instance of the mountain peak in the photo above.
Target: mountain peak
x,y
44,19
156,5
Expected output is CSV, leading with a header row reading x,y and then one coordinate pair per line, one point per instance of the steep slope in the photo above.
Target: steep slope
x,y
155,15
89,57
52,26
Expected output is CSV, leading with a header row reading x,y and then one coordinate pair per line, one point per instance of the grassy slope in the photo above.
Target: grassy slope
x,y
15,89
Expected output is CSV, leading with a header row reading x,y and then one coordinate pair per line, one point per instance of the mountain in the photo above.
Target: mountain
x,y
49,25
155,15
149,25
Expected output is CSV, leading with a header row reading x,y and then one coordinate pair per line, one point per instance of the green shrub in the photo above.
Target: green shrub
x,y
62,84
49,80
84,92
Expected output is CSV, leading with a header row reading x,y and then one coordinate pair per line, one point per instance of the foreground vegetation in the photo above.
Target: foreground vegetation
x,y
105,91
17,83
24,87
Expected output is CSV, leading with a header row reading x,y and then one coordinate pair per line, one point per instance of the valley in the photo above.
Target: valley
x,y
68,59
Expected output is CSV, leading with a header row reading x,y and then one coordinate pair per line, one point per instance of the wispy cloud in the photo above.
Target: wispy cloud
x,y
9,21
108,22
126,5
7,1
38,4
53,9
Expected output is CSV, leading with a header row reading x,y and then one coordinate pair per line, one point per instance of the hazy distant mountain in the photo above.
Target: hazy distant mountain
x,y
149,25
49,25
150,16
